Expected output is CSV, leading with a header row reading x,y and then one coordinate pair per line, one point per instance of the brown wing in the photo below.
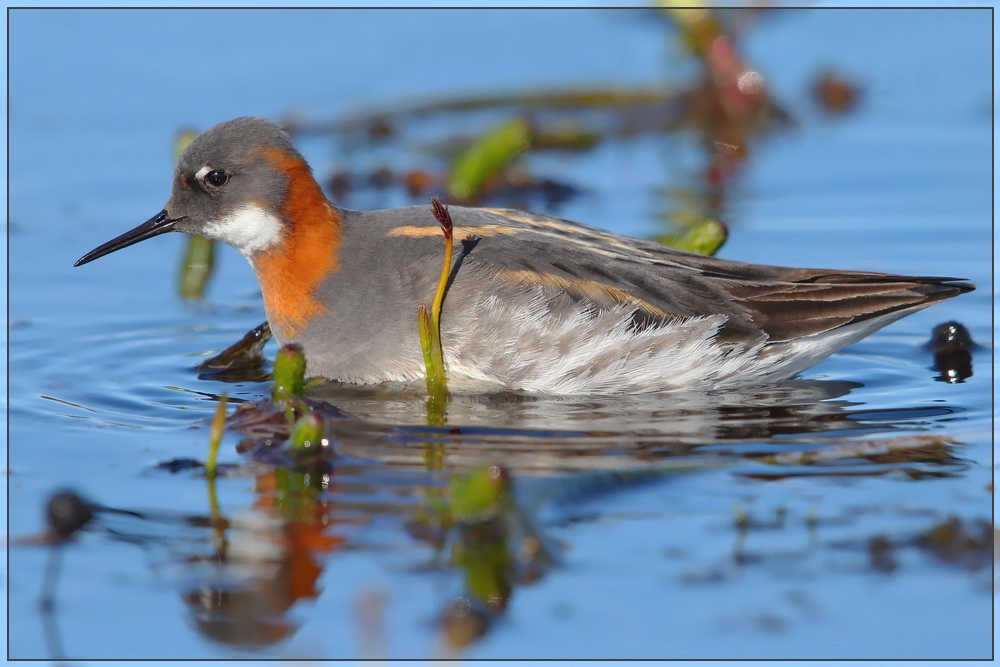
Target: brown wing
x,y
606,268
507,248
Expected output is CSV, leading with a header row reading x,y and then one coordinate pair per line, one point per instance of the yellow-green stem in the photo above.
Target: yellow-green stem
x,y
430,345
429,324
215,435
449,245
218,523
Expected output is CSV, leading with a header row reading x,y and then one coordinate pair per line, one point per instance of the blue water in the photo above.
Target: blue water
x,y
102,385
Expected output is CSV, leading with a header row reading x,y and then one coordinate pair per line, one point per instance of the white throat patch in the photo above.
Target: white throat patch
x,y
250,229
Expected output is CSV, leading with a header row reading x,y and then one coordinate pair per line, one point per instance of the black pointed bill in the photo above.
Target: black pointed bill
x,y
158,224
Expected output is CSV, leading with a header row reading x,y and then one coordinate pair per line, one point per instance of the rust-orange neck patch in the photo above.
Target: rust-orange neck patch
x,y
290,273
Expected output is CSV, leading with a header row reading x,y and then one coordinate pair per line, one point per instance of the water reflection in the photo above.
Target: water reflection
x,y
240,577
241,593
445,490
544,434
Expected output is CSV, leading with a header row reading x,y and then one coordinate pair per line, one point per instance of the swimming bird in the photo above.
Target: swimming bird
x,y
534,302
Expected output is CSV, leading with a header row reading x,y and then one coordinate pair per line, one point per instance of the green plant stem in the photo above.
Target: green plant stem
x,y
215,435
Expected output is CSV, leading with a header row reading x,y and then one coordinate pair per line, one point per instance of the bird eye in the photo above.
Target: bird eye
x,y
216,178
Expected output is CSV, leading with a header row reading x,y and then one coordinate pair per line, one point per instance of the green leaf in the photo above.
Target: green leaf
x,y
289,374
479,494
196,267
704,238
307,434
487,157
